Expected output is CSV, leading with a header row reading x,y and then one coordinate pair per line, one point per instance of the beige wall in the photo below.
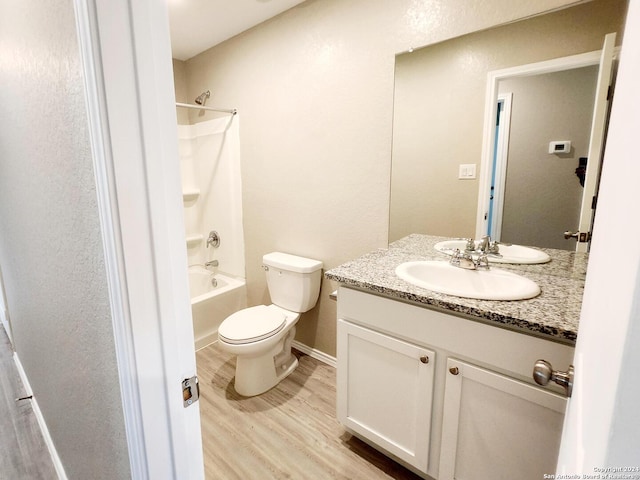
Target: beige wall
x,y
180,82
543,193
439,110
50,243
314,91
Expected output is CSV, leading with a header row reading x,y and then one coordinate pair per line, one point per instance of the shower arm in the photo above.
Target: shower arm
x,y
201,107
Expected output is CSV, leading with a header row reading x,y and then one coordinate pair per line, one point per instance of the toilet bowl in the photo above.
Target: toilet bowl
x,y
261,336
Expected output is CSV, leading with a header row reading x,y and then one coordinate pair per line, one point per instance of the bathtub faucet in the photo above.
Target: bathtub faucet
x,y
214,239
212,263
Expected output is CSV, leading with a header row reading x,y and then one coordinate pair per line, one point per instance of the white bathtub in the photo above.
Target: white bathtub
x,y
211,305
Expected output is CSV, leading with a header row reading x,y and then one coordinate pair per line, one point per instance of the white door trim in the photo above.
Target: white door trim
x,y
4,312
502,152
490,109
129,89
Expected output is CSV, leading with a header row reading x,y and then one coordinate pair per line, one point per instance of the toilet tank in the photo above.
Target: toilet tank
x,y
294,282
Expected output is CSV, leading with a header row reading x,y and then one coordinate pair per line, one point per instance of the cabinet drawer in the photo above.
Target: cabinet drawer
x,y
385,391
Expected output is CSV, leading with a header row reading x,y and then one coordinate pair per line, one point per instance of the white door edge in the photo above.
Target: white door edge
x,y
602,418
129,90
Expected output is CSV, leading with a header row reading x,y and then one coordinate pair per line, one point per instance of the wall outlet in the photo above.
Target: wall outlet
x,y
467,171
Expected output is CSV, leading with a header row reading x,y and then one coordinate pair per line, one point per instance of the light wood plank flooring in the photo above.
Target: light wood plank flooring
x,y
23,453
288,432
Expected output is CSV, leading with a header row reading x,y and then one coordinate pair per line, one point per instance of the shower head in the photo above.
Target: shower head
x,y
202,98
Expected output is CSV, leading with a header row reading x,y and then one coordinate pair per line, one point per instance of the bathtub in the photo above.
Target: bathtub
x,y
210,305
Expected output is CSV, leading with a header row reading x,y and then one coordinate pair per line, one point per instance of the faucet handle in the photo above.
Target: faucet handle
x,y
494,247
483,261
462,260
471,245
214,239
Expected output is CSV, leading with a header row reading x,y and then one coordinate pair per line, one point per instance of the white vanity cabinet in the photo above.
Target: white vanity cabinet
x,y
468,410
384,391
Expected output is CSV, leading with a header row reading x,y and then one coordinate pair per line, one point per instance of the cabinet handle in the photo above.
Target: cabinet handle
x,y
454,371
424,359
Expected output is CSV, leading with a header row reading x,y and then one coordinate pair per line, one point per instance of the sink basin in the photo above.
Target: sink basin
x,y
510,253
492,284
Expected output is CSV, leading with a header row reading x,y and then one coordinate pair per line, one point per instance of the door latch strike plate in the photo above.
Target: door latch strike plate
x,y
190,391
584,237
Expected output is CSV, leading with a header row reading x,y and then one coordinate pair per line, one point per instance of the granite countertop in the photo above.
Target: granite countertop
x,y
554,314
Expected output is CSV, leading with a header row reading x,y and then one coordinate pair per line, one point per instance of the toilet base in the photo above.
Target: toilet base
x,y
257,375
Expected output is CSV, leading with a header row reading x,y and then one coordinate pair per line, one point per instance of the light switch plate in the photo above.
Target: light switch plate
x,y
467,171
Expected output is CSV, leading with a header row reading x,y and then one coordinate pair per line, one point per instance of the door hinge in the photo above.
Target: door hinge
x,y
190,391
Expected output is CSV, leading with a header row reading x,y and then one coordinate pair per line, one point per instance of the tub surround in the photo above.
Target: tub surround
x,y
554,314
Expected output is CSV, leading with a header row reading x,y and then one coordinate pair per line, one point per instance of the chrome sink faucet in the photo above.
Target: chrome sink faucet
x,y
491,247
485,244
465,260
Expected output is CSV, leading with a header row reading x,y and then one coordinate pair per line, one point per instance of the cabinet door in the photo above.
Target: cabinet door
x,y
384,391
495,427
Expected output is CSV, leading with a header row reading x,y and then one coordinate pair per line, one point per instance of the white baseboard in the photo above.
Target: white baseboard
x,y
57,463
205,341
313,353
4,319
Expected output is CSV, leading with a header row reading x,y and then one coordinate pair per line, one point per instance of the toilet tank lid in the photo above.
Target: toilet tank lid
x,y
292,263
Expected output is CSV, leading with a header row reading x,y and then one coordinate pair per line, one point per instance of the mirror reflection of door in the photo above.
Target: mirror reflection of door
x,y
601,111
557,189
550,107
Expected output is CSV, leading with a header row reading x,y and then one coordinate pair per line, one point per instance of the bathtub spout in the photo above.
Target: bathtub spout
x,y
212,263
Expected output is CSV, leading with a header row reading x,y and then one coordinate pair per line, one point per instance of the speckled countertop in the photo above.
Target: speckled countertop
x,y
553,314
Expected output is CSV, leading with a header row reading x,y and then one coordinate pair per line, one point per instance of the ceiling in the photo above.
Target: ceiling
x,y
197,25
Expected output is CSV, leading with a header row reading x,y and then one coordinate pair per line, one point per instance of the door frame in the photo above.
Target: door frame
x,y
488,139
499,171
128,76
4,310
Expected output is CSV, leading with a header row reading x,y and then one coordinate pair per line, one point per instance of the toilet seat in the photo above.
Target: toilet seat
x,y
251,325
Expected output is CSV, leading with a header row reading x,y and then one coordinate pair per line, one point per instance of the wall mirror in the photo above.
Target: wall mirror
x,y
439,127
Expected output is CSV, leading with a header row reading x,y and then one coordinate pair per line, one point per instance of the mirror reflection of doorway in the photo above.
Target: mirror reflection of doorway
x,y
499,168
554,106
539,195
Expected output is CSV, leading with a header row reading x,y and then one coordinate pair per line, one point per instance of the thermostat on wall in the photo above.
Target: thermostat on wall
x,y
563,146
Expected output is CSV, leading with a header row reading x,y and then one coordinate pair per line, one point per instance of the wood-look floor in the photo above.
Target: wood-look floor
x,y
23,453
290,431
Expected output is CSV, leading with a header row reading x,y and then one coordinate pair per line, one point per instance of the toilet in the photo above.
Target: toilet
x,y
261,336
